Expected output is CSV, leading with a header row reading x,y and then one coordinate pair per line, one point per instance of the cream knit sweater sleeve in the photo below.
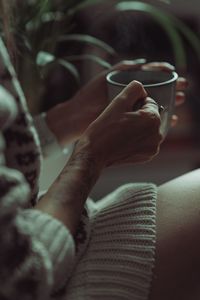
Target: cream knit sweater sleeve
x,y
37,251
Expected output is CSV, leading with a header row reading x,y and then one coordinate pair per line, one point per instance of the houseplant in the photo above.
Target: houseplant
x,y
42,27
38,28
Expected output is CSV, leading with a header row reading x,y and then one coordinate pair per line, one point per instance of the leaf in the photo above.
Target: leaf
x,y
70,67
35,10
88,39
43,58
103,63
46,59
52,16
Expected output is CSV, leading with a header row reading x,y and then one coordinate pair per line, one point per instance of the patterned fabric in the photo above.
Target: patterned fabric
x,y
115,243
37,251
21,135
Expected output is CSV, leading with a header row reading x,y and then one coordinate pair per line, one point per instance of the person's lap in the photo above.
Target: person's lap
x,y
177,264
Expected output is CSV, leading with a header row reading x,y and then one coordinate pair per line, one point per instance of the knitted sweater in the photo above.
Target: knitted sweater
x,y
112,256
37,251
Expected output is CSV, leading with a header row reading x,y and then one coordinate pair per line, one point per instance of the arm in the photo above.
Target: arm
x,y
34,265
132,137
68,120
66,197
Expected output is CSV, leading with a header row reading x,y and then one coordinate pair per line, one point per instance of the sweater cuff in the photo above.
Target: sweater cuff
x,y
58,242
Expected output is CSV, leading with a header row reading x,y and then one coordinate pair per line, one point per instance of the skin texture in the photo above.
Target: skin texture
x,y
133,136
127,140
70,119
176,273
73,117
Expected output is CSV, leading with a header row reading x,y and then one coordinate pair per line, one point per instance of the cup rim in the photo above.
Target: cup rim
x,y
109,80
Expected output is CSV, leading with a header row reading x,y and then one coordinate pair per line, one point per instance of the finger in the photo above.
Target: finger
x,y
174,120
128,64
180,98
163,66
131,94
123,66
181,84
150,106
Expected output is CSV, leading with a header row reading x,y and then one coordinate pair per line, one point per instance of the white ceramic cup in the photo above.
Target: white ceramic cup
x,y
160,85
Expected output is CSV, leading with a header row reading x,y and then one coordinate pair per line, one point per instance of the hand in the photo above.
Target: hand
x,y
93,97
120,135
181,84
69,119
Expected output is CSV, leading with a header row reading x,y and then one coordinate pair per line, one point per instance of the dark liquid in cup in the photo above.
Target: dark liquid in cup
x,y
145,77
147,82
150,81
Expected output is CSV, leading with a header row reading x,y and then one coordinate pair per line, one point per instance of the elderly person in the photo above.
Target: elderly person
x,y
134,244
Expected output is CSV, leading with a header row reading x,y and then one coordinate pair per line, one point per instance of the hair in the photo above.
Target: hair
x,y
6,21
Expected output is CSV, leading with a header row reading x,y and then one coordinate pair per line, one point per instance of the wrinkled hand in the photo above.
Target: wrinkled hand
x,y
120,135
70,119
93,97
181,84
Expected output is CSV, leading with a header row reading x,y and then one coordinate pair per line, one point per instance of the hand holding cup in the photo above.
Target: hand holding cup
x,y
159,83
120,135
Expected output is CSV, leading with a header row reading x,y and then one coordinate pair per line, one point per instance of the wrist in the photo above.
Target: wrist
x,y
85,151
66,197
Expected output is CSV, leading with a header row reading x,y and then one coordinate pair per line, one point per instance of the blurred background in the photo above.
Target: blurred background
x,y
63,44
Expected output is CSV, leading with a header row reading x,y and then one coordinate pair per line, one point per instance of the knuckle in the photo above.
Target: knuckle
x,y
136,88
152,119
138,84
156,122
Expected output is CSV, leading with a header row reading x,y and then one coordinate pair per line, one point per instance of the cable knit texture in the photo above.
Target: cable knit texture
x,y
119,260
37,251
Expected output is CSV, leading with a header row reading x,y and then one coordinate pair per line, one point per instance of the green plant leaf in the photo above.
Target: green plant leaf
x,y
46,59
88,39
70,67
103,63
165,21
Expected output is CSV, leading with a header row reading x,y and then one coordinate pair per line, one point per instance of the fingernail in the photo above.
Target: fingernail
x,y
171,67
138,61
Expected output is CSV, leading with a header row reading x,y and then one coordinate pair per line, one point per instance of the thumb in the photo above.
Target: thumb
x,y
131,94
